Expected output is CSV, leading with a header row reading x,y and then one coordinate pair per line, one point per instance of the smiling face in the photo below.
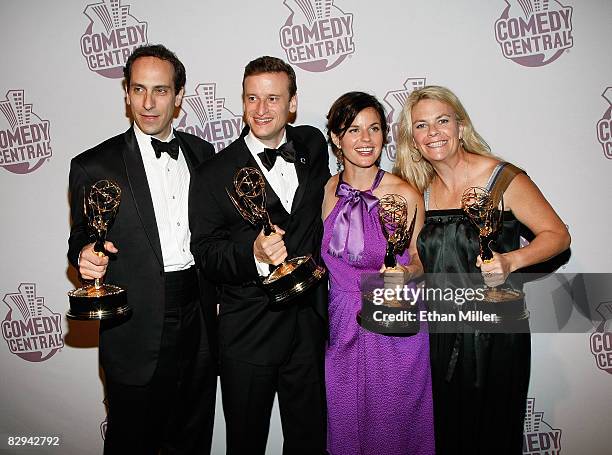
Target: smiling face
x,y
435,129
267,105
362,142
151,96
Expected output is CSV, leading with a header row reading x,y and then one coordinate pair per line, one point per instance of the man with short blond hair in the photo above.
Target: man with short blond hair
x,y
265,349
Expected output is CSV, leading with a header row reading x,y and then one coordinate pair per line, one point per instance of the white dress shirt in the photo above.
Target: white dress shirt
x,y
169,186
282,178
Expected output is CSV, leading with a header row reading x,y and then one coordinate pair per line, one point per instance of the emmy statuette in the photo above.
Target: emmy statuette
x,y
97,301
292,277
486,214
393,215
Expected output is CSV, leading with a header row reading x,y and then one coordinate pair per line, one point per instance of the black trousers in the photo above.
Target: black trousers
x,y
480,414
248,395
174,412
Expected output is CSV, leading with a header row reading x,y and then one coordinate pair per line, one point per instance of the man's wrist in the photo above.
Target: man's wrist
x,y
262,268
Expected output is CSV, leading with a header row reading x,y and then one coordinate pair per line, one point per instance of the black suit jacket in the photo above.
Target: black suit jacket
x,y
129,349
249,329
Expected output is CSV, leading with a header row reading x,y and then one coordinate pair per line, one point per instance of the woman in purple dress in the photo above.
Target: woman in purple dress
x,y
378,386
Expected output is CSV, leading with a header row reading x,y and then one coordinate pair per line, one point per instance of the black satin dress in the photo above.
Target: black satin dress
x,y
480,380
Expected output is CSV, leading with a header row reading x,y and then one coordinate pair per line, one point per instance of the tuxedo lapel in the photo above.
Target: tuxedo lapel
x,y
190,156
302,168
139,187
243,157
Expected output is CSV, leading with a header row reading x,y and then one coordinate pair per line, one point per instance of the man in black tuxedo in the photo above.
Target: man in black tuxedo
x,y
158,364
267,349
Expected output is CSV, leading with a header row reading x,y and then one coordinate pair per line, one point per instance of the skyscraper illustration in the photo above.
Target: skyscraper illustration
x,y
110,13
26,301
312,9
204,104
15,110
397,98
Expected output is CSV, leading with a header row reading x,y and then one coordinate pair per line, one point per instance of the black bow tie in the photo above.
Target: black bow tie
x,y
285,151
171,148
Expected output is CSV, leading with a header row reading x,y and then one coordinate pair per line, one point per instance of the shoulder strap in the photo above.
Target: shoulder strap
x,y
426,197
501,181
379,176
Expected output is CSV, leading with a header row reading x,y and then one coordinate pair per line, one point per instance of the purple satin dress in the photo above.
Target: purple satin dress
x,y
378,387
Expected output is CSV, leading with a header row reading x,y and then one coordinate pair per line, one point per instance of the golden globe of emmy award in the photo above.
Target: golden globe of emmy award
x,y
393,215
292,277
486,212
98,301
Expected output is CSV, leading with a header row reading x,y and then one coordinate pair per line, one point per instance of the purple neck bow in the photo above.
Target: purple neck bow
x,y
348,228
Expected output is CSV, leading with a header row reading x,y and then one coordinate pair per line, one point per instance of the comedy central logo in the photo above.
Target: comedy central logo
x,y
395,101
31,330
207,117
534,32
539,438
601,338
25,143
111,36
317,36
604,126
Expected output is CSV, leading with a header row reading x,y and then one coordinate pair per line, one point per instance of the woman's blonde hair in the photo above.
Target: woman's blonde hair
x,y
409,163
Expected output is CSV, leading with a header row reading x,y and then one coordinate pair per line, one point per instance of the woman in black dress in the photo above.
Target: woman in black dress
x,y
480,380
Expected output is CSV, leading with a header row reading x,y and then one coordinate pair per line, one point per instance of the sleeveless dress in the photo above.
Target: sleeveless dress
x,y
480,380
378,387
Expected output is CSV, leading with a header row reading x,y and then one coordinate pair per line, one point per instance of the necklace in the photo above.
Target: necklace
x,y
467,179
